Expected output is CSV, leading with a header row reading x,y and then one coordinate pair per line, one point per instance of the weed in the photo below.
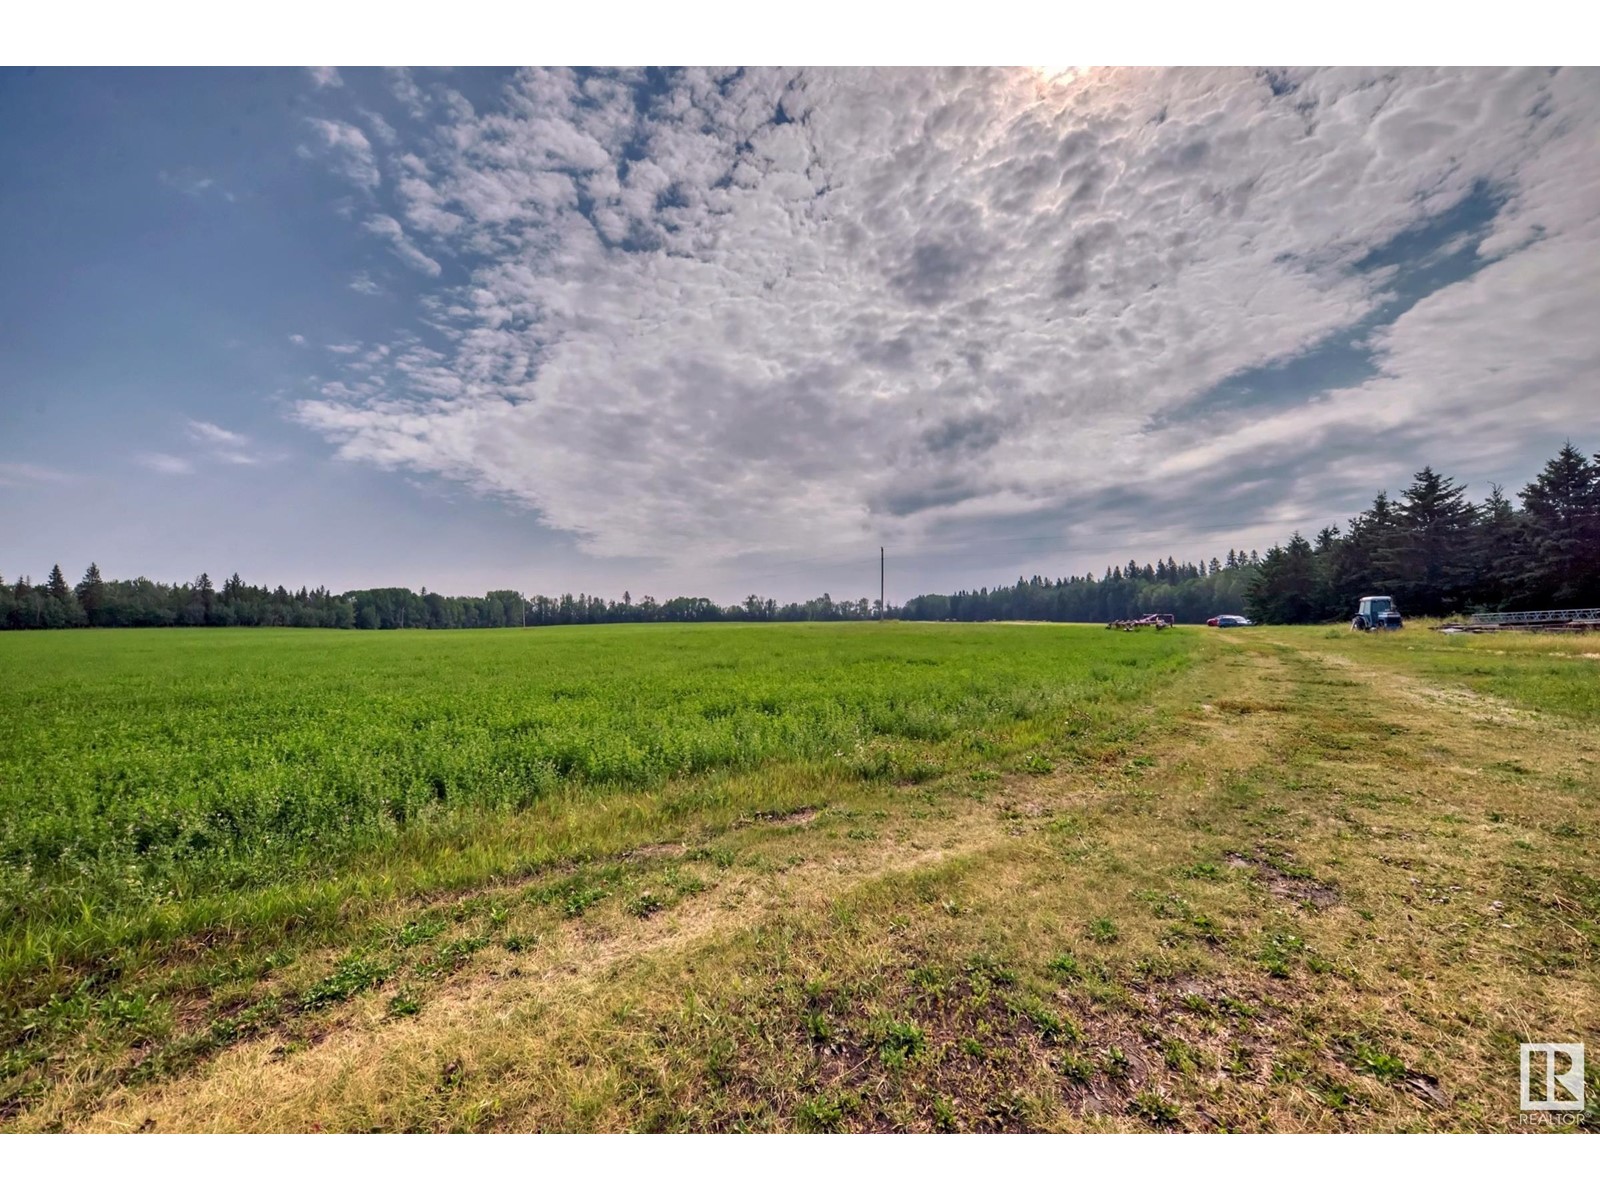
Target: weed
x,y
984,972
1077,1068
1378,1063
1278,953
1155,1107
1179,1055
644,904
899,1041
580,900
415,933
1052,1026
819,1029
1102,930
1064,966
825,1113
685,883
1336,1096
353,974
929,981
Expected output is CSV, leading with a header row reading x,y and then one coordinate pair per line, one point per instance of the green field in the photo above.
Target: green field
x,y
684,876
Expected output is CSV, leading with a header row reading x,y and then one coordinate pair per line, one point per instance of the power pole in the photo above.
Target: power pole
x,y
880,583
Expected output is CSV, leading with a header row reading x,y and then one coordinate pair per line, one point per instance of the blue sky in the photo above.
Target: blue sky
x,y
721,332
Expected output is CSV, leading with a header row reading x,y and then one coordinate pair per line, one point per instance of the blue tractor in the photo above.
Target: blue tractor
x,y
1376,612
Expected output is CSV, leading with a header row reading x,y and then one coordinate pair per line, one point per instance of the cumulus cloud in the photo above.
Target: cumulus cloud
x,y
325,77
767,310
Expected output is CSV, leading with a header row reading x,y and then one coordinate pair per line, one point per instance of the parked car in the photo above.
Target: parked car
x,y
1228,621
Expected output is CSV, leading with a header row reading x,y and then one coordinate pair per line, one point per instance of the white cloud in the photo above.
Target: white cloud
x,y
192,182
166,464
299,339
325,77
366,285
405,89
215,435
771,310
21,474
220,445
384,131
391,231
349,151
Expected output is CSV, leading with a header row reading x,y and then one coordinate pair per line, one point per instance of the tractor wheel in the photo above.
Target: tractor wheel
x,y
1359,625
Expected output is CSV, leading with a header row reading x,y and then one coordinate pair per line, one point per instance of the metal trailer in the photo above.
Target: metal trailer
x,y
1576,620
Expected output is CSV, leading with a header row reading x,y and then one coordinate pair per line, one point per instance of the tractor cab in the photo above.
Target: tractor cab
x,y
1376,612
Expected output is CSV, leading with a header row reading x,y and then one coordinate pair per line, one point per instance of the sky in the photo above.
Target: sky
x,y
714,332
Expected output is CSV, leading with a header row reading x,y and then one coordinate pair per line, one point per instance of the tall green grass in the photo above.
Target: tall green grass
x,y
146,776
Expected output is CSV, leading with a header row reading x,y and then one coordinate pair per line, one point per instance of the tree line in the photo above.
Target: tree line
x,y
1430,548
111,603
1437,553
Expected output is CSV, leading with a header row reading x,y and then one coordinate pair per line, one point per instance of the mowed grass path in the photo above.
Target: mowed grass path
x,y
1256,879
165,789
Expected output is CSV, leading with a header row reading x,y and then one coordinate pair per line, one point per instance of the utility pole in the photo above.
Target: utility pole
x,y
880,583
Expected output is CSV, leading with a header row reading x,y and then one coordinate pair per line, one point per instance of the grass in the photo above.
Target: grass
x,y
142,773
1271,880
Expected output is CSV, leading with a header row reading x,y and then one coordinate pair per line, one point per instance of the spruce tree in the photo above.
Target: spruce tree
x,y
92,593
1561,562
57,585
1428,553
1495,552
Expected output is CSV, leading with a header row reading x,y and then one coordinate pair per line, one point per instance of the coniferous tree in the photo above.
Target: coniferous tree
x,y
92,594
1496,547
1284,589
57,585
1561,556
1428,551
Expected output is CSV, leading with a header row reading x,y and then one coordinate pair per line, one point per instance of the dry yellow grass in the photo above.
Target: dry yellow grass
x,y
1328,888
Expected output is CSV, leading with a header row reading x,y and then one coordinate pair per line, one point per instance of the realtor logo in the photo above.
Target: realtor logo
x,y
1561,1070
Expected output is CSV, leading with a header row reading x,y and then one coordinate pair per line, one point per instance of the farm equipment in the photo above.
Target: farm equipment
x,y
1542,620
1148,621
1376,613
